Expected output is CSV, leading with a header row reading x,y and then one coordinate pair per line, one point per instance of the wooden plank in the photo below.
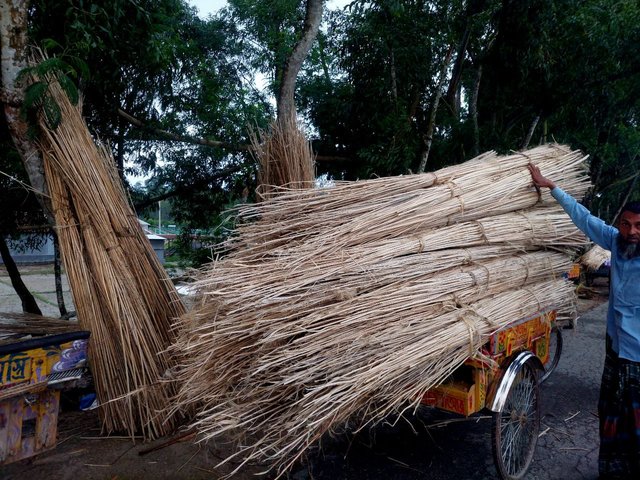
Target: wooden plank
x,y
5,413
47,424
14,433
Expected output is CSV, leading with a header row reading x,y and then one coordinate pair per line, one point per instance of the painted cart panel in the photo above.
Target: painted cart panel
x,y
28,406
465,392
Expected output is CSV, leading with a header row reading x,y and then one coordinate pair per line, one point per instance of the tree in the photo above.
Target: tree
x,y
13,43
567,64
285,101
375,89
21,214
283,45
522,73
29,304
158,62
375,104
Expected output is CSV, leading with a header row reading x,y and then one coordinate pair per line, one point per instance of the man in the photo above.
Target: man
x,y
619,404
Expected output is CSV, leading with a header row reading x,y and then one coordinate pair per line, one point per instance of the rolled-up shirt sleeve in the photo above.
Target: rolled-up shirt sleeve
x,y
593,227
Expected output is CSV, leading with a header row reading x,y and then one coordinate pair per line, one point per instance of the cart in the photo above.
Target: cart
x,y
32,373
504,379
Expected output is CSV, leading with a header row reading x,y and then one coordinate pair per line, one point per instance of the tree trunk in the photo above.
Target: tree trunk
x,y
119,150
625,199
532,128
394,81
285,156
431,125
453,91
13,42
29,304
286,101
57,270
323,58
473,112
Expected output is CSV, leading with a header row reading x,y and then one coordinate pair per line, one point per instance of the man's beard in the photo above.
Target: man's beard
x,y
628,250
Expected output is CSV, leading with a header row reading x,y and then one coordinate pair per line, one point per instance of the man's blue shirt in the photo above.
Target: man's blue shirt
x,y
623,317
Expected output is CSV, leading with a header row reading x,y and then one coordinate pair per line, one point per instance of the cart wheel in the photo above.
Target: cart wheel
x,y
555,349
515,429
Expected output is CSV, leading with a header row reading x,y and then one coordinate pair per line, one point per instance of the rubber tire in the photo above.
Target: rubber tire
x,y
523,397
552,363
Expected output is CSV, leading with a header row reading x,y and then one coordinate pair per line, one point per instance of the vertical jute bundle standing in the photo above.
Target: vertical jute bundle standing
x,y
121,292
284,156
343,305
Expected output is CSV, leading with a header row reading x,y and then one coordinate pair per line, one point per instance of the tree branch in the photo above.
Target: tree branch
x,y
180,138
173,137
199,183
532,128
456,74
428,135
29,304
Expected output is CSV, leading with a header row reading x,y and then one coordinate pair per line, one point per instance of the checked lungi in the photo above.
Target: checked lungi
x,y
619,414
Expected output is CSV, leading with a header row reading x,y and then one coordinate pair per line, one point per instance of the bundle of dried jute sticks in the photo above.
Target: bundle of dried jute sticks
x,y
120,290
328,218
595,257
345,304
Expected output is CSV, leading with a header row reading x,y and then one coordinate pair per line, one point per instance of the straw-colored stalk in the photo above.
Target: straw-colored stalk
x,y
280,396
285,158
374,210
595,257
346,304
30,324
300,270
120,290
545,225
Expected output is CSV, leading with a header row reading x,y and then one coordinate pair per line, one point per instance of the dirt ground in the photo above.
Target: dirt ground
x,y
83,452
591,297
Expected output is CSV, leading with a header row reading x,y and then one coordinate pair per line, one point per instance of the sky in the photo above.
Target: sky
x,y
205,7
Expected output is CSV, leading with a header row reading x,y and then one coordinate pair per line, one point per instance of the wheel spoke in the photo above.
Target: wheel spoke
x,y
517,426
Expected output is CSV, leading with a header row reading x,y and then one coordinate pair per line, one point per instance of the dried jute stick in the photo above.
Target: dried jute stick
x,y
343,305
121,292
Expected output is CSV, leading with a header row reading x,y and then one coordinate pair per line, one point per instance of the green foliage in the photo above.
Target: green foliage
x,y
372,104
34,94
195,247
129,49
565,62
270,29
159,62
22,242
37,95
366,90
